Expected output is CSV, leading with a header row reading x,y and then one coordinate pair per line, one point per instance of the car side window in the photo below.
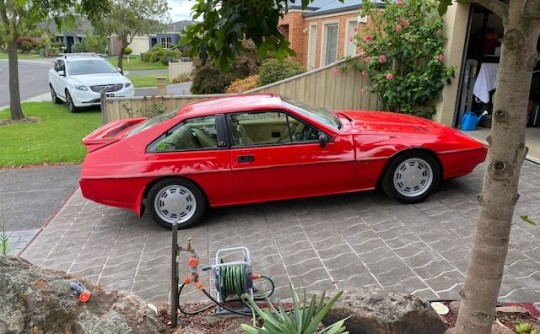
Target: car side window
x,y
59,66
194,134
269,128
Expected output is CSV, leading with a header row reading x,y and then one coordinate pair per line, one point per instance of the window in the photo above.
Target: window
x,y
166,42
350,45
193,134
60,66
330,43
312,46
269,128
90,66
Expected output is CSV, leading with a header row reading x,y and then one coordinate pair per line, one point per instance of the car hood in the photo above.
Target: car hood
x,y
389,122
100,79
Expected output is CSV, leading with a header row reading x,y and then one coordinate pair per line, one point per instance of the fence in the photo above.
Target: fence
x,y
327,87
177,68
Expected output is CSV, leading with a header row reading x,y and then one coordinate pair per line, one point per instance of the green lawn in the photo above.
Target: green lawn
x,y
4,55
136,64
55,138
140,81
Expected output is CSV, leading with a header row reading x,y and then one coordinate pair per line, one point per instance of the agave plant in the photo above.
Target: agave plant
x,y
301,319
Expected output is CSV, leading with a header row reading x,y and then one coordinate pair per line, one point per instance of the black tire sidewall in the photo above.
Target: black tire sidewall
x,y
199,198
69,101
388,177
54,97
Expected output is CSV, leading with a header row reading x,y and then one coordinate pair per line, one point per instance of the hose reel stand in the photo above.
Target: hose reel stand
x,y
230,279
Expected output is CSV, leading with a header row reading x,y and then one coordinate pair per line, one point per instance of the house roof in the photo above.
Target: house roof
x,y
324,7
179,26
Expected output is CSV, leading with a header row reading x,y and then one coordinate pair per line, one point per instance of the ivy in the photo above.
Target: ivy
x,y
403,54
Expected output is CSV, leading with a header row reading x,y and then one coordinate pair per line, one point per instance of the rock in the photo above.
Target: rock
x,y
454,307
376,311
35,300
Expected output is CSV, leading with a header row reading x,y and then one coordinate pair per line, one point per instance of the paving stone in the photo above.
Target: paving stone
x,y
445,281
394,275
523,268
434,268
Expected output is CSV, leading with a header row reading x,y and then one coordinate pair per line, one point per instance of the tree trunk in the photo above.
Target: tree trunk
x,y
121,58
507,152
14,92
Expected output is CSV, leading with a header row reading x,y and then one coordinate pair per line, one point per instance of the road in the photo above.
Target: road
x,y
33,79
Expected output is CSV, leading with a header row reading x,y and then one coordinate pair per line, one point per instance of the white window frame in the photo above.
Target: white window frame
x,y
350,47
165,41
312,46
324,37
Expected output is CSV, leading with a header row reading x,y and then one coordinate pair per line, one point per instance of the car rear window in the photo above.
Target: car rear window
x,y
152,122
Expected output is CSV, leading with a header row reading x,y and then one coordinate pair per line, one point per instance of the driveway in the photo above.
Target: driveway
x,y
337,242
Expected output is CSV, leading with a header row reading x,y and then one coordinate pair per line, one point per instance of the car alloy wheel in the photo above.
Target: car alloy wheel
x,y
69,102
411,177
174,200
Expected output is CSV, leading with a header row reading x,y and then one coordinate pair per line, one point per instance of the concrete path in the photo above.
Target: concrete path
x,y
338,242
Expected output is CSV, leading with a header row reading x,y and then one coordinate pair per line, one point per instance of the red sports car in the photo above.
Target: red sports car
x,y
258,148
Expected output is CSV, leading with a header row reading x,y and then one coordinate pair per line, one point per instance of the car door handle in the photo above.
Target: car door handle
x,y
246,158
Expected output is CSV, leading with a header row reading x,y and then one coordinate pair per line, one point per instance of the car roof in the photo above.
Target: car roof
x,y
81,56
236,103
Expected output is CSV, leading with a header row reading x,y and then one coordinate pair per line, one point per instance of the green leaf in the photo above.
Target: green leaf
x,y
529,221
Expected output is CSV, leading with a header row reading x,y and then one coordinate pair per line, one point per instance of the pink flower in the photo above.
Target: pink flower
x,y
363,91
441,57
367,60
351,38
399,3
405,22
389,76
355,28
398,28
382,59
364,74
368,38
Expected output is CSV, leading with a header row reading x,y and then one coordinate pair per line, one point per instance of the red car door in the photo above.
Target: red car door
x,y
281,157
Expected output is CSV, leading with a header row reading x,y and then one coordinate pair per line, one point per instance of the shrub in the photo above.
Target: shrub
x,y
128,51
208,79
242,85
95,43
77,47
182,77
158,53
27,44
274,70
403,55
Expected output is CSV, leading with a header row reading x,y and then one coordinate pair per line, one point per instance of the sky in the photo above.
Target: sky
x,y
180,9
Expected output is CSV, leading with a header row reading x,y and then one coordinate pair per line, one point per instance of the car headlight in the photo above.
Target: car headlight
x,y
81,88
127,84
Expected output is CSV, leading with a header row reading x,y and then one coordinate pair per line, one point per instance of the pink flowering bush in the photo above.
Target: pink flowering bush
x,y
403,55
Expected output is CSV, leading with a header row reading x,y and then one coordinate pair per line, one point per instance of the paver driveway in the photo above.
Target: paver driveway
x,y
338,242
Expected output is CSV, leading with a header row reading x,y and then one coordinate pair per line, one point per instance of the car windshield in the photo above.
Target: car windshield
x,y
318,113
152,122
89,66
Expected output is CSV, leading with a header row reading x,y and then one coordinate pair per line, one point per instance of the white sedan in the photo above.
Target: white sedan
x,y
79,79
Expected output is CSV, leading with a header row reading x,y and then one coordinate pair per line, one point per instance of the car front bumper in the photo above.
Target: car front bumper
x,y
90,98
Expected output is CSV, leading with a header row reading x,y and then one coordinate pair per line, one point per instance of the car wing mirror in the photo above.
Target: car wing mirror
x,y
323,140
62,73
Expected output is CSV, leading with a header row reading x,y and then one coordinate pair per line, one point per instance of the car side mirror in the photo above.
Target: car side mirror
x,y
62,73
323,140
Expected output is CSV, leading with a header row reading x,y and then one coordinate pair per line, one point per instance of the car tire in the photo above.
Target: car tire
x,y
176,199
70,105
411,177
54,97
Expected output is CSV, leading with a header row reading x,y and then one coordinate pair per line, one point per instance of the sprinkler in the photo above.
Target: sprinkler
x,y
231,280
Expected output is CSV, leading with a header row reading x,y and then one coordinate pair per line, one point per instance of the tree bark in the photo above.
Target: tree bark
x,y
507,152
121,58
14,90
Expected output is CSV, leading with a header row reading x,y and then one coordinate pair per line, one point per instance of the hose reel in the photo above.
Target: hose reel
x,y
230,279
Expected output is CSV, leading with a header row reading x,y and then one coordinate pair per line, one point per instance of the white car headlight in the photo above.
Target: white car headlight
x,y
84,88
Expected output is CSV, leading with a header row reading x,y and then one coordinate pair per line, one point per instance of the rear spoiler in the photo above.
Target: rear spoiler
x,y
109,133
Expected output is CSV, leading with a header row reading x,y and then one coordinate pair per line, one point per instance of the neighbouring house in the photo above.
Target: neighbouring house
x,y
143,43
320,35
69,36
